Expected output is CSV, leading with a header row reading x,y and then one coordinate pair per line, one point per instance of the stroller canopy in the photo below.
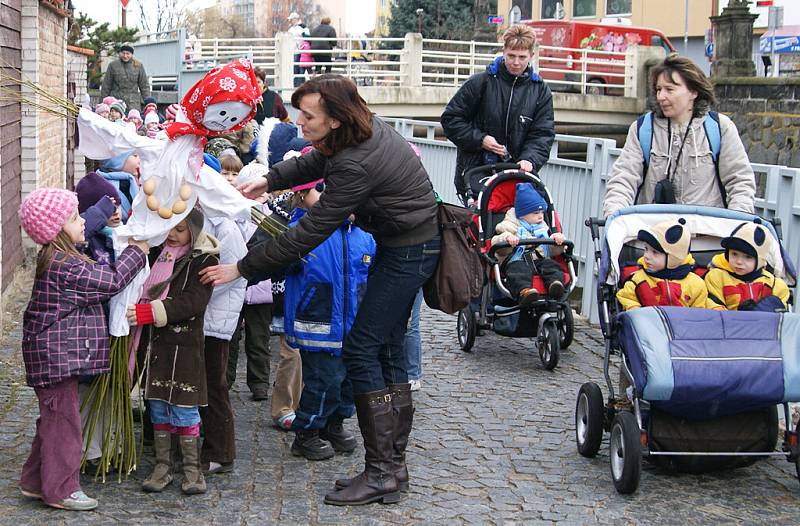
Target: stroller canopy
x,y
708,226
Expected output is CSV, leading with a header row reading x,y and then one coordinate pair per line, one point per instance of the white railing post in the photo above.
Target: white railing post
x,y
215,56
631,63
536,57
471,58
584,56
411,61
284,60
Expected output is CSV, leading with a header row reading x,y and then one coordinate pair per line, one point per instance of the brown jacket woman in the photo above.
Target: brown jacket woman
x,y
176,369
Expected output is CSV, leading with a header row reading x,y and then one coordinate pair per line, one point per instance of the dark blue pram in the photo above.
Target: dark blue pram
x,y
704,385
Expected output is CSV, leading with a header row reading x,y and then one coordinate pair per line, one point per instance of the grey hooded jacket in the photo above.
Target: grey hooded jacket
x,y
695,181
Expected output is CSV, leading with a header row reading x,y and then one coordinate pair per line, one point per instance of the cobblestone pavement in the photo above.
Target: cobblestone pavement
x,y
493,443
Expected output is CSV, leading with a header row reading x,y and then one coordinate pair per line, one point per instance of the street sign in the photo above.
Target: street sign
x,y
495,19
124,3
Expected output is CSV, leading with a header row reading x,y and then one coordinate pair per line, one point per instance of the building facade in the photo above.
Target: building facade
x,y
383,13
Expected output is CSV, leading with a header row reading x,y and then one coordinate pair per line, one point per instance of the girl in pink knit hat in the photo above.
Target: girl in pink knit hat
x,y
64,336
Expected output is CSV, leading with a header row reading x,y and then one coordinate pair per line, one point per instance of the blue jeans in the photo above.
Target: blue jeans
x,y
413,341
373,350
163,413
326,391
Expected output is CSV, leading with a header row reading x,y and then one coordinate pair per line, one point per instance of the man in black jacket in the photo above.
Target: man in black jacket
x,y
502,114
323,30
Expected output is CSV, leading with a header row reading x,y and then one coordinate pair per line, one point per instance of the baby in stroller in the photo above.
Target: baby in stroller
x,y
738,279
666,275
526,221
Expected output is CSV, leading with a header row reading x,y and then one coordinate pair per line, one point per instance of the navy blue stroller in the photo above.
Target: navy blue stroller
x,y
705,385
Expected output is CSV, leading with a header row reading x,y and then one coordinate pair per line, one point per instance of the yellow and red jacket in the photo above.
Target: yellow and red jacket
x,y
726,290
645,290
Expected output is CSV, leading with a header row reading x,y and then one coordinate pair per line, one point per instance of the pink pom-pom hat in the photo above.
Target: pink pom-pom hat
x,y
45,212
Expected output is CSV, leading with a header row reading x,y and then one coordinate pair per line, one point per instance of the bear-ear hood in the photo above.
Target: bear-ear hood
x,y
752,239
670,237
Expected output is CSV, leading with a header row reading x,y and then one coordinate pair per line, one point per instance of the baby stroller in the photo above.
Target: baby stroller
x,y
550,321
704,384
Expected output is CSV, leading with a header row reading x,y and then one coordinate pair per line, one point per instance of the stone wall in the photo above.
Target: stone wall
x,y
76,67
52,77
767,113
44,48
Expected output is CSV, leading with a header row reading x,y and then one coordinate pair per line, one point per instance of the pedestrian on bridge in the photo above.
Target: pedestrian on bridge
x,y
504,114
371,173
681,152
323,30
126,80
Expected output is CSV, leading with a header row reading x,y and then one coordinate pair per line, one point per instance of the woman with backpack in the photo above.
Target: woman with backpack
x,y
682,152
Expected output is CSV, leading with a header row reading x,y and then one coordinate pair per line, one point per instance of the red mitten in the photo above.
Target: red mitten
x,y
144,314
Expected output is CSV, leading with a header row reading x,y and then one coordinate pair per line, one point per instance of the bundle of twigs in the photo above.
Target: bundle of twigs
x,y
267,223
109,402
271,226
33,95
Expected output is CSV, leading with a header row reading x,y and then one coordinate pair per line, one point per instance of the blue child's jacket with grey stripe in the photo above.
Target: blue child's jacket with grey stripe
x,y
324,291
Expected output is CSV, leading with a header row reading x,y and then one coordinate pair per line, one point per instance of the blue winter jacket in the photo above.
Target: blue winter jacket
x,y
323,293
126,187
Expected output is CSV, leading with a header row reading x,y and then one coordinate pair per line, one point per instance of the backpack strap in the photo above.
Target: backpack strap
x,y
714,136
644,130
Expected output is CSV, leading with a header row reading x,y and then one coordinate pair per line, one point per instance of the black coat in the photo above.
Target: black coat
x,y
323,31
516,111
381,181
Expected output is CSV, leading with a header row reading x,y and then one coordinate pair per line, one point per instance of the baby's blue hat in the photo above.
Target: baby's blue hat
x,y
116,163
528,200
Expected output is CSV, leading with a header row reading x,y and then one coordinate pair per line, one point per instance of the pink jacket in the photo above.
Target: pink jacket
x,y
306,59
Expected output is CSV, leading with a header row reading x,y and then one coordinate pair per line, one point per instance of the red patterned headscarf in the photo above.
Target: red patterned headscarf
x,y
234,82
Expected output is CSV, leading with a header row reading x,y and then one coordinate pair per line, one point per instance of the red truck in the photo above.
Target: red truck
x,y
606,45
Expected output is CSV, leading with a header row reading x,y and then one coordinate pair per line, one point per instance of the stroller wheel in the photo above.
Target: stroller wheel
x,y
566,326
589,411
549,345
466,329
625,452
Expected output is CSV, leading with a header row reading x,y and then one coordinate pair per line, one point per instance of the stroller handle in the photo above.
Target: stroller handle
x,y
568,245
594,224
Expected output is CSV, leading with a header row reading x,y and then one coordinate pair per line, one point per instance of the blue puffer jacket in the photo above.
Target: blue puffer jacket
x,y
323,293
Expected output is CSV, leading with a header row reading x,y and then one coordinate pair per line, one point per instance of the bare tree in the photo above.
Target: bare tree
x,y
156,16
209,23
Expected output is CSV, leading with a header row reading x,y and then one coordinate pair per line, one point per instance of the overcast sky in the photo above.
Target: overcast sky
x,y
360,14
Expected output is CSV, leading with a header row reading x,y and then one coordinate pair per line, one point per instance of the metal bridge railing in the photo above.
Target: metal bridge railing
x,y
413,62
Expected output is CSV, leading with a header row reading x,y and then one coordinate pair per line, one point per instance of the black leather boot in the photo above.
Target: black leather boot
x,y
342,441
377,482
404,417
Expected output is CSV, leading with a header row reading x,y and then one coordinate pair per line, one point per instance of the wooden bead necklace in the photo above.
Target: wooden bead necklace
x,y
178,207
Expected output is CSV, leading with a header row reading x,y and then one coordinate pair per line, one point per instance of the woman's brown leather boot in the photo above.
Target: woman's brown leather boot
x,y
377,482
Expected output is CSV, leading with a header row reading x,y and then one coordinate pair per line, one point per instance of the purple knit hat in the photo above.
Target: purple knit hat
x,y
45,212
91,189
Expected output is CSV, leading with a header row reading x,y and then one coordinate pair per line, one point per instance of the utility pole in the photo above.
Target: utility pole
x,y
124,4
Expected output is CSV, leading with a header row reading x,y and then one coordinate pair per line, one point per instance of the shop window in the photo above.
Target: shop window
x,y
584,8
618,7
